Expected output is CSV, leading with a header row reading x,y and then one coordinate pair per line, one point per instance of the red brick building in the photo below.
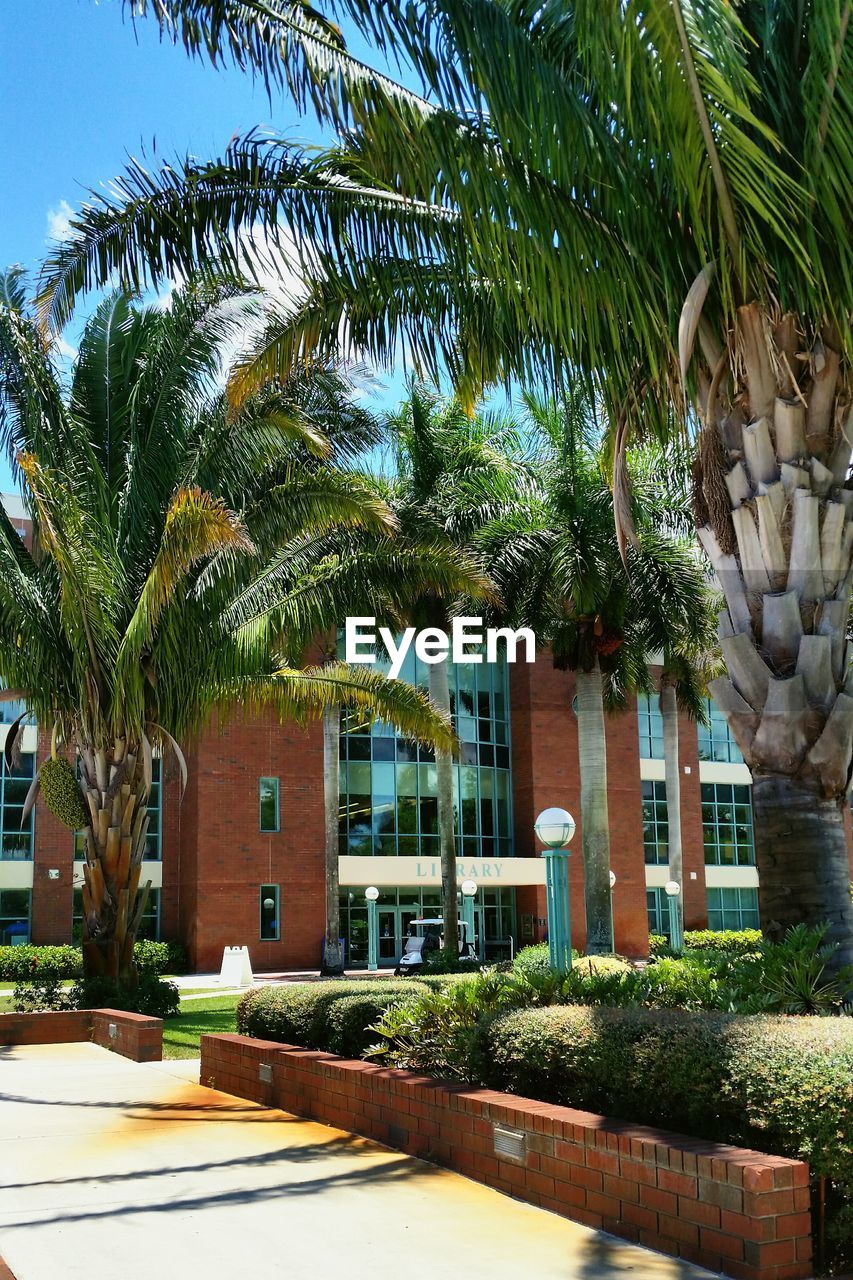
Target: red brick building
x,y
240,859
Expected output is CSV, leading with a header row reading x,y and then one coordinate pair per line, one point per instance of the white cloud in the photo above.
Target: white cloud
x,y
59,222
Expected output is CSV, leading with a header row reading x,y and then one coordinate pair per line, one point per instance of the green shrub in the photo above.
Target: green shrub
x,y
42,992
20,963
535,958
159,957
776,1084
350,1020
737,942
298,1012
151,996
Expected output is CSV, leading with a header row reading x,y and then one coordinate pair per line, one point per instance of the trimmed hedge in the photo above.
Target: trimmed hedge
x,y
776,1084
730,942
333,1016
18,964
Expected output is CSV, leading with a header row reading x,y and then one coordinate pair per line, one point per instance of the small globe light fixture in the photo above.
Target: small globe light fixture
x,y
554,828
672,889
371,893
269,904
469,893
612,879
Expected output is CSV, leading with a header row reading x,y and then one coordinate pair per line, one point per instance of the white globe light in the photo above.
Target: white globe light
x,y
672,888
469,888
371,893
554,828
269,904
612,879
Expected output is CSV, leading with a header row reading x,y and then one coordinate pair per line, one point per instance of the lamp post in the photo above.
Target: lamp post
x,y
672,889
554,828
469,893
612,925
371,893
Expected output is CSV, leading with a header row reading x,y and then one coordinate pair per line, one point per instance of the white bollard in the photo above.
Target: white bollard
x,y
236,968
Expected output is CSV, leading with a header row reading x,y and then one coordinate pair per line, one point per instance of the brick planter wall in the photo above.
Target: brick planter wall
x,y
732,1210
131,1034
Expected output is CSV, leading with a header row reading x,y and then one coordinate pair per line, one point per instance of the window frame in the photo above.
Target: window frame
x,y
269,831
263,891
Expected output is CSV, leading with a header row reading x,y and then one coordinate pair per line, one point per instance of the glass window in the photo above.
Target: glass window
x,y
14,917
149,925
269,806
388,796
727,824
655,823
269,904
17,844
650,726
658,909
11,709
715,740
733,908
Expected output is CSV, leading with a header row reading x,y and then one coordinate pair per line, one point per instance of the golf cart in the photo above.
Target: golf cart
x,y
425,939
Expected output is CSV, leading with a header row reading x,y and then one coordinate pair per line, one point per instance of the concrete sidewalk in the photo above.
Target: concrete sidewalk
x,y
109,1168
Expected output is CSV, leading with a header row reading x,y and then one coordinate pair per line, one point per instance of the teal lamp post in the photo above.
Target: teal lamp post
x,y
672,889
469,893
371,894
612,925
554,828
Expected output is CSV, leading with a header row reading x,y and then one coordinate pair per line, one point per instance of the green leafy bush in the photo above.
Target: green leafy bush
x,y
299,1012
731,942
152,996
780,1085
20,963
159,957
535,958
42,992
738,942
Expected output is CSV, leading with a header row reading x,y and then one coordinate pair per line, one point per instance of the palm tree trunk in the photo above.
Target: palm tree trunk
x,y
116,786
333,951
776,520
669,716
439,688
595,824
802,861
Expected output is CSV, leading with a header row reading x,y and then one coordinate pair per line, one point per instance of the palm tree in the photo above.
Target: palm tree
x,y
599,188
451,475
172,567
557,563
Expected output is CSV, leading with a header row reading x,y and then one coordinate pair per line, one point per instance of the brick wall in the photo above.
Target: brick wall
x,y
729,1209
131,1034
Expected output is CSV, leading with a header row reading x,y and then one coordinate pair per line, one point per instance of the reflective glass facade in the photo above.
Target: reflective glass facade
x,y
389,802
494,922
17,844
715,740
650,724
727,824
14,916
655,823
735,908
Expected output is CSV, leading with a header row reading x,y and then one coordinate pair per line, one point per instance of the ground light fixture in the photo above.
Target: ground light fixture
x,y
672,889
371,893
554,828
469,893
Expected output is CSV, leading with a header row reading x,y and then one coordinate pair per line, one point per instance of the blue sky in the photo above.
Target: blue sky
x,y
81,90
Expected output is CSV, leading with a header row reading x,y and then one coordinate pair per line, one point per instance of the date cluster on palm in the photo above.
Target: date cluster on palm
x,y
775,516
61,794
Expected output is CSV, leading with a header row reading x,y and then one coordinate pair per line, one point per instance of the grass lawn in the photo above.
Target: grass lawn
x,y
181,1035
